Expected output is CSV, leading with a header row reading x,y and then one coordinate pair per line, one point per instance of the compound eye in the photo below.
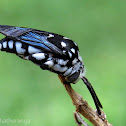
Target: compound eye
x,y
73,77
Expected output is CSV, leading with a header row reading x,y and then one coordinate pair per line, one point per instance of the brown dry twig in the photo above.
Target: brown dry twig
x,y
83,108
79,120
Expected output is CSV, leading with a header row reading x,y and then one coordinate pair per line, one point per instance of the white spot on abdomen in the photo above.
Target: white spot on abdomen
x,y
57,67
32,50
62,62
18,46
63,69
49,63
5,44
0,46
39,56
10,44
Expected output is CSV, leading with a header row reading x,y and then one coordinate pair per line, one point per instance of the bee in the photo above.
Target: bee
x,y
49,51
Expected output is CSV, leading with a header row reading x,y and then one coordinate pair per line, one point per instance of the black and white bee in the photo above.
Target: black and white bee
x,y
50,51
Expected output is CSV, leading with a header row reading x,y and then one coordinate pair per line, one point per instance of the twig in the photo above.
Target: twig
x,y
83,108
79,120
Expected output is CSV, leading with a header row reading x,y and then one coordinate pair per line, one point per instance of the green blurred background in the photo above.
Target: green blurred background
x,y
98,27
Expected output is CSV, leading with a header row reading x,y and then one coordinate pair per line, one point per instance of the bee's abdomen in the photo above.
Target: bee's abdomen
x,y
8,46
17,47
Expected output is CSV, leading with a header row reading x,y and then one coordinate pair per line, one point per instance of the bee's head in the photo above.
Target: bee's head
x,y
77,73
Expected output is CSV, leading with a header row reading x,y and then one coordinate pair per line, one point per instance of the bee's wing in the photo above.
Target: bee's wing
x,y
32,37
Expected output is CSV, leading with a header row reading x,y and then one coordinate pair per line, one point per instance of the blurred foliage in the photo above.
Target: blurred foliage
x,y
98,27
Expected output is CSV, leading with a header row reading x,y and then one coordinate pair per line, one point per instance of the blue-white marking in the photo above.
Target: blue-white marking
x,y
62,62
39,56
70,54
32,50
66,38
50,36
73,50
75,43
10,44
57,67
5,44
0,46
18,46
49,63
63,44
